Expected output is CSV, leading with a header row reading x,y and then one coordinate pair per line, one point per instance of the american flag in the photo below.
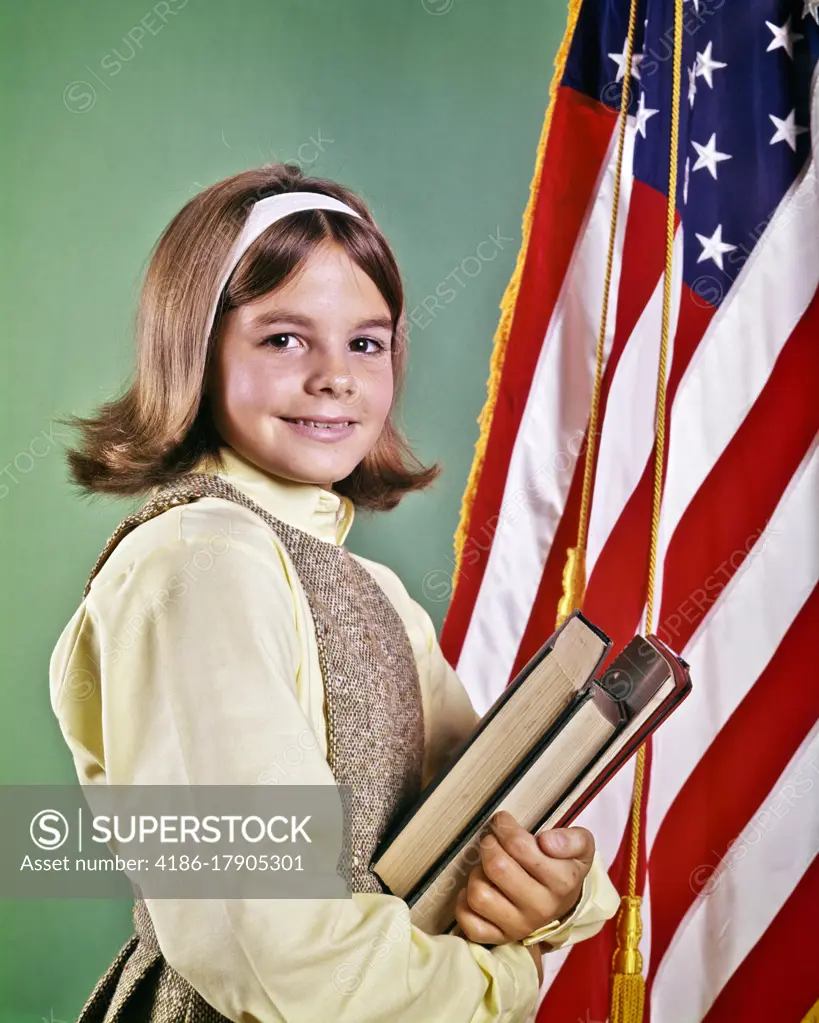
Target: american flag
x,y
730,828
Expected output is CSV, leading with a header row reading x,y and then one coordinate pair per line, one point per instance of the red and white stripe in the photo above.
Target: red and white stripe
x,y
738,571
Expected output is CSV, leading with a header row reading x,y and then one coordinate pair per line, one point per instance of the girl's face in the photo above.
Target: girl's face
x,y
317,347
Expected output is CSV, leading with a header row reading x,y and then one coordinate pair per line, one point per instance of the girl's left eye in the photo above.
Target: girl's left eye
x,y
274,338
379,345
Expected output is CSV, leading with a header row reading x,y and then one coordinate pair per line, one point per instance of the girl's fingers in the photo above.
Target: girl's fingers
x,y
519,885
493,905
560,843
474,926
568,843
530,897
518,843
562,876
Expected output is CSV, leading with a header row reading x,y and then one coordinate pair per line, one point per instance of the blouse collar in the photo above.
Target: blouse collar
x,y
307,506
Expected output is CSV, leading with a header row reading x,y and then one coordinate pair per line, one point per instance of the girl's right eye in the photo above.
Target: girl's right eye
x,y
271,341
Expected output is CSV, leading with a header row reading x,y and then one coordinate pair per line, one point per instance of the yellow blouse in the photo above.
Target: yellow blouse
x,y
193,660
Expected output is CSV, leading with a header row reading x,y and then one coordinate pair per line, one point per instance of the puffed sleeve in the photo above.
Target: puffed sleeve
x,y
451,720
196,685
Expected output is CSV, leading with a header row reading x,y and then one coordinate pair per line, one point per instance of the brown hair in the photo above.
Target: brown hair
x,y
160,427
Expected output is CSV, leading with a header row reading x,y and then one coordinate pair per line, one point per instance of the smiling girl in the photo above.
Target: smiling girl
x,y
227,636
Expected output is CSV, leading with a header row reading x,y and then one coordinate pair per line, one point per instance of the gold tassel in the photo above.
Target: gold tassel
x,y
627,985
813,1014
574,583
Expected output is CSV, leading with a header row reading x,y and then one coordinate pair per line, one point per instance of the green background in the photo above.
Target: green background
x,y
431,110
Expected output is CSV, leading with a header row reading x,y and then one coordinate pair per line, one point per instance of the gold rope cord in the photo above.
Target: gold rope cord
x,y
628,986
574,574
508,302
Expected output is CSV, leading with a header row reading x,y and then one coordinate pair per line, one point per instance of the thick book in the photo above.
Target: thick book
x,y
545,748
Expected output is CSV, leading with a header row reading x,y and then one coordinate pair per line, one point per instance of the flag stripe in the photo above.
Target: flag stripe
x,y
780,970
732,779
741,630
729,653
617,587
740,633
745,898
627,440
752,471
725,378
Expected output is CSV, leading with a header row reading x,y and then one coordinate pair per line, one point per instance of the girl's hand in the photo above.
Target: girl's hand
x,y
523,882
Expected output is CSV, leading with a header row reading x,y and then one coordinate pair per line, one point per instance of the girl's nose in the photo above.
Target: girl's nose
x,y
332,373
343,385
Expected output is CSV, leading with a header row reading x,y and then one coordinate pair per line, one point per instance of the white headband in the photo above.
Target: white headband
x,y
264,213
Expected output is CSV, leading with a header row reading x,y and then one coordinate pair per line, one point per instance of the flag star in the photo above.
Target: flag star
x,y
643,114
686,178
713,247
811,7
787,130
706,65
708,156
783,37
636,60
692,84
696,6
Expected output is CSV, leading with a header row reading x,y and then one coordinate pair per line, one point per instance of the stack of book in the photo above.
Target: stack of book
x,y
554,737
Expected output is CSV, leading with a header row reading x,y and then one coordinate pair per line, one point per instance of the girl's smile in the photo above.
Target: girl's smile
x,y
328,432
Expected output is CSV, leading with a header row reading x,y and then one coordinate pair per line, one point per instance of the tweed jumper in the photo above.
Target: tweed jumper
x,y
375,738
